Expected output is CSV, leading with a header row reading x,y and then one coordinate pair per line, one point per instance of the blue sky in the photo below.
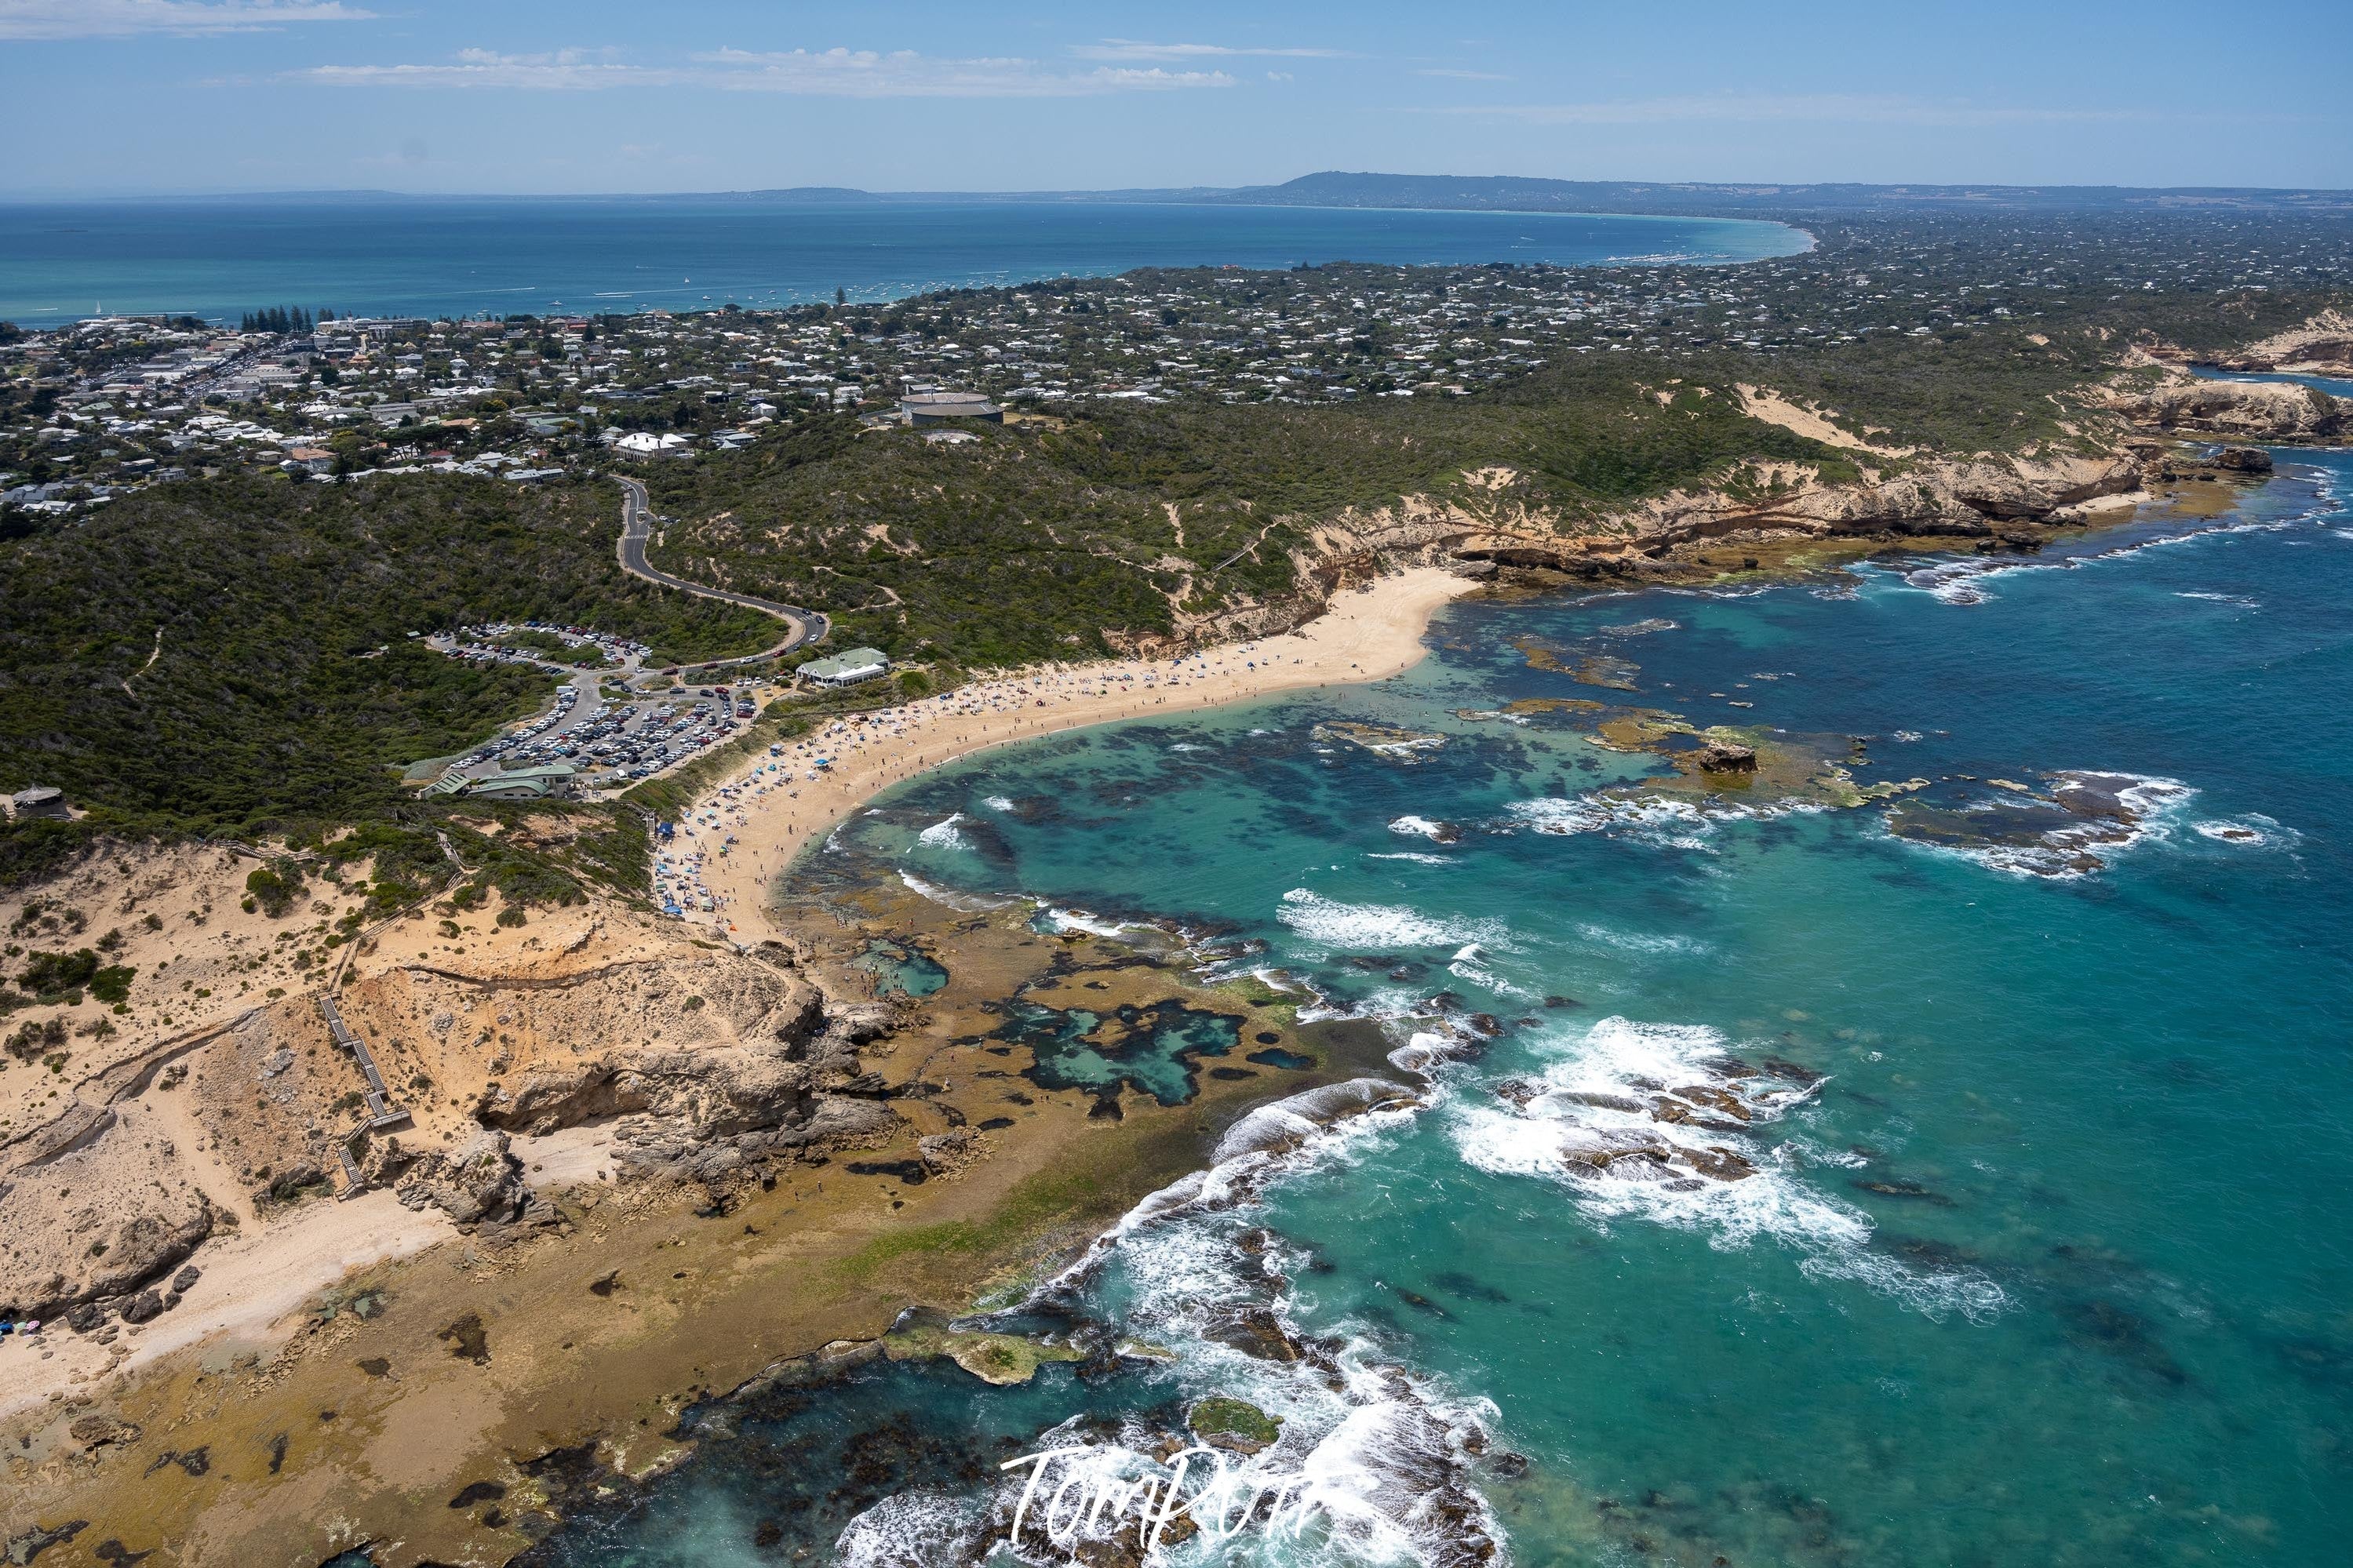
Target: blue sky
x,y
142,95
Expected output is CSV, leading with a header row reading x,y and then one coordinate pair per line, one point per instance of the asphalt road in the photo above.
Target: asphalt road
x,y
636,520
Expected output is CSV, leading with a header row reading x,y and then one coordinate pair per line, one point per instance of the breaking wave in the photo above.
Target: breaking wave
x,y
2075,827
1662,1123
1330,924
943,834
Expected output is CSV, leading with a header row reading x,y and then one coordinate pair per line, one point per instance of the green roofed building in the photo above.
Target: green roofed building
x,y
523,783
848,667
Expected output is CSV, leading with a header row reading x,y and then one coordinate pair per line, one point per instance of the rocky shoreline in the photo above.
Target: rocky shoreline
x,y
721,1087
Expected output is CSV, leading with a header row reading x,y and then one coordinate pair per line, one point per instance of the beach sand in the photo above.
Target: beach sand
x,y
749,828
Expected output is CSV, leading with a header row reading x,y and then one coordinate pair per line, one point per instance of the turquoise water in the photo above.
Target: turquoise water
x,y
899,970
2040,1255
2336,385
457,257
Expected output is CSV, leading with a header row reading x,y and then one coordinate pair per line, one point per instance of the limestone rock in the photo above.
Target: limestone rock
x,y
2267,411
136,1251
98,1428
946,1152
481,1183
289,1185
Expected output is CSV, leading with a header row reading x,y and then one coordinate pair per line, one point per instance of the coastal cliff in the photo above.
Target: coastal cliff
x,y
2321,346
1997,501
2281,413
702,1065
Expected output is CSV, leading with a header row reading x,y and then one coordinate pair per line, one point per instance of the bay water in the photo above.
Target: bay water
x,y
2035,1249
435,256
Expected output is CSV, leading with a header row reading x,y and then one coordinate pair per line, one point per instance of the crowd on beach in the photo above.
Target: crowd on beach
x,y
755,825
806,785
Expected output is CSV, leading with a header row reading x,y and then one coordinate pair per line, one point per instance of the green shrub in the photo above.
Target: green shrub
x,y
112,983
31,1040
274,890
51,976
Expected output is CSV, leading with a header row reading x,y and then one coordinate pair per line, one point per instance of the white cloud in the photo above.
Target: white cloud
x,y
1133,49
1840,108
828,73
1453,74
123,18
564,70
864,73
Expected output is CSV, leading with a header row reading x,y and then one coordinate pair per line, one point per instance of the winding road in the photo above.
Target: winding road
x,y
636,517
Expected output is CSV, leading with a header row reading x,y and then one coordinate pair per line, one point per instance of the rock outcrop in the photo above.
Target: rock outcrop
x,y
481,1185
97,1265
715,1114
1982,497
2242,410
2322,346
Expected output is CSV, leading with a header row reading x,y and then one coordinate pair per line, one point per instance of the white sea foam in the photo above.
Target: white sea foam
x,y
943,834
1594,1124
1659,820
912,1530
1963,581
967,902
1415,855
1423,827
1465,965
1062,920
1333,924
2241,600
1956,581
1366,1448
998,802
1562,817
2250,831
1639,942
2087,842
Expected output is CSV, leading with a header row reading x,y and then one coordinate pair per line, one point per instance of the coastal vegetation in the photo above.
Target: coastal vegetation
x,y
1037,539
239,658
239,655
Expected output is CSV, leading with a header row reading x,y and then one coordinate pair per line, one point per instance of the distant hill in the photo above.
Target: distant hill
x,y
1500,193
1508,192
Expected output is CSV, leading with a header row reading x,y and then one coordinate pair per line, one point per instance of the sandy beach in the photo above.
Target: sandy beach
x,y
745,831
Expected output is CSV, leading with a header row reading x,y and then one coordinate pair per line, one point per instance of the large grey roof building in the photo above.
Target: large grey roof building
x,y
935,407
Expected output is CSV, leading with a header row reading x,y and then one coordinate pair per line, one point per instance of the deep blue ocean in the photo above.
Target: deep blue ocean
x,y
459,258
2037,1250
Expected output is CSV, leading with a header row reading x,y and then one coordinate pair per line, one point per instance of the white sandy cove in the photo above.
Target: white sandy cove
x,y
773,808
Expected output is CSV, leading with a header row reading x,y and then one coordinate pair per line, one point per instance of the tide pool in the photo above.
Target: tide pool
x,y
1998,1215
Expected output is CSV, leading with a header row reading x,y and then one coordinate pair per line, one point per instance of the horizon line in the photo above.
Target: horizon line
x,y
1752,187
